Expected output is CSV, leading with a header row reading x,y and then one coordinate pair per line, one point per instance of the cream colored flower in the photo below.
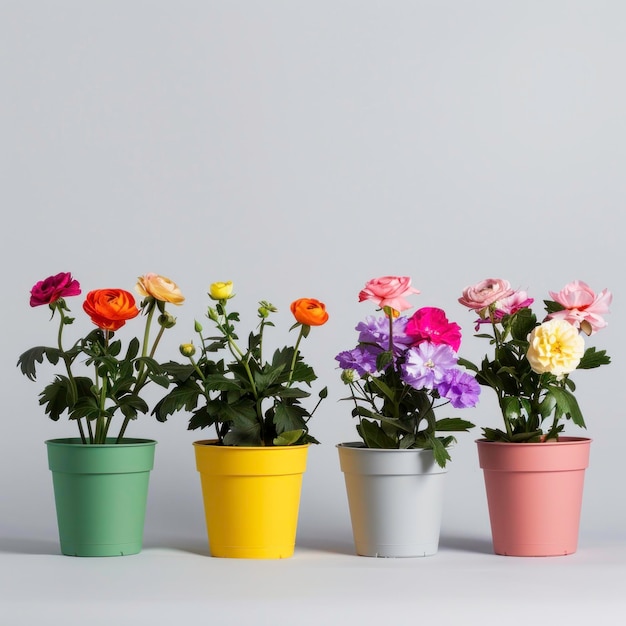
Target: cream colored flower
x,y
555,347
160,288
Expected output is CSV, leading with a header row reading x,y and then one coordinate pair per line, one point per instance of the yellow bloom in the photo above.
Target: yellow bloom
x,y
187,349
160,288
555,347
221,291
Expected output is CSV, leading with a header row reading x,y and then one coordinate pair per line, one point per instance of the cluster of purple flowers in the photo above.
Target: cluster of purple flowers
x,y
423,355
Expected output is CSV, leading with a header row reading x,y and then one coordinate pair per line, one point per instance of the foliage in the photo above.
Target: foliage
x,y
250,401
531,362
402,370
112,377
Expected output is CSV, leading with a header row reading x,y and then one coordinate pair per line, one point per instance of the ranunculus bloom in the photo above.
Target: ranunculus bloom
x,y
512,304
309,311
389,291
582,306
485,293
52,288
556,347
221,291
460,388
508,306
109,309
160,288
431,324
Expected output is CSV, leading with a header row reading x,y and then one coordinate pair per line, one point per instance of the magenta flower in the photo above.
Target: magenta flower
x,y
431,324
388,291
52,288
582,306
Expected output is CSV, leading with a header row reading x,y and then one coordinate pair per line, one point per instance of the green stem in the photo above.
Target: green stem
x,y
295,354
101,427
142,374
68,368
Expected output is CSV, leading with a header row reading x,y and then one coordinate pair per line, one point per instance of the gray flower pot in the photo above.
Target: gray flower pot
x,y
395,499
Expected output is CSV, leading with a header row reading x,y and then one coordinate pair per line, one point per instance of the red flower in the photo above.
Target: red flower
x,y
109,309
52,288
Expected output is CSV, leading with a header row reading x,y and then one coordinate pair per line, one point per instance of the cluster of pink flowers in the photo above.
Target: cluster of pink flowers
x,y
581,306
555,345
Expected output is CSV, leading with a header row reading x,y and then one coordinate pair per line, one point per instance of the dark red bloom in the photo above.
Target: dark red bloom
x,y
52,288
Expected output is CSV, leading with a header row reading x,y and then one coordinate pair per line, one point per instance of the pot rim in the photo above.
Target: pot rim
x,y
214,443
76,441
359,445
562,441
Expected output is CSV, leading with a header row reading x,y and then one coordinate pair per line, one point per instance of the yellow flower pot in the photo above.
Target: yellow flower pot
x,y
251,498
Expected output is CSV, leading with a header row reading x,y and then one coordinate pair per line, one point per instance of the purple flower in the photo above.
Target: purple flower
x,y
361,360
460,388
375,330
427,364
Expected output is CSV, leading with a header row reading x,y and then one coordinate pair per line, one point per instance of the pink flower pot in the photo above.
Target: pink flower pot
x,y
534,494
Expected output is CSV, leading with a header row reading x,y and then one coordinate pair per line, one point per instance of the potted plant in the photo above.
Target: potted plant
x,y
251,471
533,473
401,372
100,479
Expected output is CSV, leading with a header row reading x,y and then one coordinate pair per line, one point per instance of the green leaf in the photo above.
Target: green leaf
x,y
593,358
567,403
288,438
289,417
467,364
453,424
373,435
439,450
28,360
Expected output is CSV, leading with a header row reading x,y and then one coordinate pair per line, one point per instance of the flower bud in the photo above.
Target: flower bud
x,y
212,314
221,291
349,376
187,349
263,312
167,320
197,326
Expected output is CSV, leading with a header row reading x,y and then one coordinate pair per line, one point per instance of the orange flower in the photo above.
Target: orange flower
x,y
309,311
109,309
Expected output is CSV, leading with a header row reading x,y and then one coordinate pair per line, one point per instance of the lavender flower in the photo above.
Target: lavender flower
x,y
460,388
375,330
360,359
427,364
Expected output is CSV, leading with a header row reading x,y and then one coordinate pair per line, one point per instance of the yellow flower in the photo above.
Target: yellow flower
x,y
221,291
555,347
187,349
160,288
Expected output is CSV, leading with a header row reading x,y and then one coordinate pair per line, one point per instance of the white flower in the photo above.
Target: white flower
x,y
555,347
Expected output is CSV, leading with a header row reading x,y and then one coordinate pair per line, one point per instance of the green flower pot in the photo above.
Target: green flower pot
x,y
100,493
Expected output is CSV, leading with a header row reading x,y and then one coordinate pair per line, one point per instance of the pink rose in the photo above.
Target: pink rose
x,y
388,291
431,324
485,293
52,288
582,306
513,303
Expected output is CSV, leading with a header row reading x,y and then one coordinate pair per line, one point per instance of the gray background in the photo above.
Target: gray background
x,y
300,149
